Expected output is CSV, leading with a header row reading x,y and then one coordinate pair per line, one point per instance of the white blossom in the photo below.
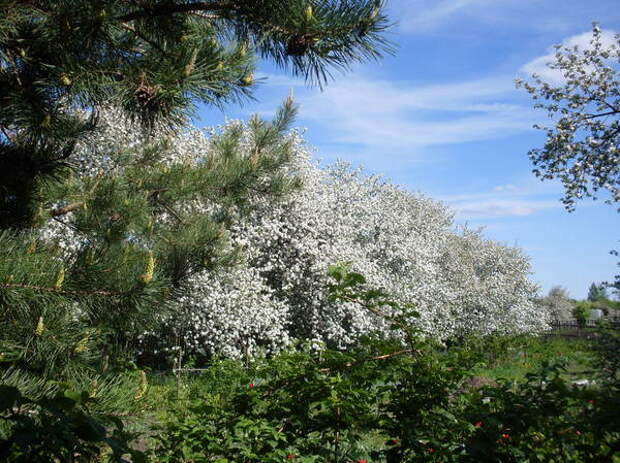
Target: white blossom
x,y
402,242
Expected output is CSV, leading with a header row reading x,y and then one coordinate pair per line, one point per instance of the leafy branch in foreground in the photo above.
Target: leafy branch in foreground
x,y
60,428
351,286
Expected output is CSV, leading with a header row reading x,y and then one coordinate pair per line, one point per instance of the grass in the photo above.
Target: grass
x,y
510,359
527,355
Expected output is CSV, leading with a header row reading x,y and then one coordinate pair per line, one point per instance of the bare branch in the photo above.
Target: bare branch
x,y
66,209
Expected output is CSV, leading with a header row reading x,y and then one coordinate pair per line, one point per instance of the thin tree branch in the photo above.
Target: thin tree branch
x,y
10,137
377,357
609,113
138,34
171,211
205,15
66,209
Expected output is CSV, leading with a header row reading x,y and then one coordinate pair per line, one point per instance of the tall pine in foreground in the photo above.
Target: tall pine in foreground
x,y
155,59
67,65
117,239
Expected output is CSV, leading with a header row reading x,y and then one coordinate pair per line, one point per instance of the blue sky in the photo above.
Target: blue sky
x,y
443,117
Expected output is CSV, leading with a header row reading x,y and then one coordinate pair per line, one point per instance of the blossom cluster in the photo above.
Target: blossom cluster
x,y
275,293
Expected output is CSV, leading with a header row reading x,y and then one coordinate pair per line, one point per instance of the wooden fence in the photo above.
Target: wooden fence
x,y
571,330
613,323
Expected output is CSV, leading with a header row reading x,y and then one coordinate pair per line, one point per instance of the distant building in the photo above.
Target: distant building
x,y
596,314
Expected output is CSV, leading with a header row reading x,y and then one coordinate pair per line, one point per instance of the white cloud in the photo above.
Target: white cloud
x,y
523,198
540,66
508,187
425,15
381,115
501,208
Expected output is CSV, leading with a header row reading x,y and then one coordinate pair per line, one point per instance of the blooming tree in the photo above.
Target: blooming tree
x,y
270,287
402,242
558,304
583,146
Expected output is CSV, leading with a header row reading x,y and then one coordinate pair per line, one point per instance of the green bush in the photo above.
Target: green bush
x,y
59,429
582,312
543,419
386,402
365,404
607,349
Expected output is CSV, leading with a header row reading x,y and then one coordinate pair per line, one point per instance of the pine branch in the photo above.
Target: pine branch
x,y
61,291
133,30
165,10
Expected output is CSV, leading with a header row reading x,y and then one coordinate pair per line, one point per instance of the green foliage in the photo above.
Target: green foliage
x,y
512,358
156,60
607,347
350,286
544,419
319,407
597,292
381,403
582,312
60,428
136,240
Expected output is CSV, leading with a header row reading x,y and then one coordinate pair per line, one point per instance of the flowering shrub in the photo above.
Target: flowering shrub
x,y
404,243
274,292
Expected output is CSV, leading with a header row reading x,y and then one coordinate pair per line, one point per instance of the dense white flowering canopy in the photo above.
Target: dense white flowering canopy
x,y
275,292
559,305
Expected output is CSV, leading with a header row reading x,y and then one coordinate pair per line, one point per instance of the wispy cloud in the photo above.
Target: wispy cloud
x,y
467,16
421,14
503,201
379,115
501,208
539,66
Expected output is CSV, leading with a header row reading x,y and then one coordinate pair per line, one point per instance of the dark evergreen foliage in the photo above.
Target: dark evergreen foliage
x,y
156,59
61,64
597,293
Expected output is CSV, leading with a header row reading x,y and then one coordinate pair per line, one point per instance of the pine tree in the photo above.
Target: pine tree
x,y
155,59
597,293
67,65
116,241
